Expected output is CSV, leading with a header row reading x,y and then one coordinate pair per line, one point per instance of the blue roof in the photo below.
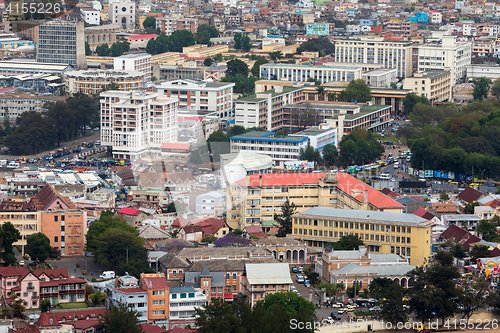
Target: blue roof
x,y
266,136
178,290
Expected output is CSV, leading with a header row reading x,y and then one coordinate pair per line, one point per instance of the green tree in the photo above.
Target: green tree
x,y
479,251
235,130
469,207
313,277
121,318
443,196
472,295
284,219
236,66
321,45
171,208
88,51
349,242
286,306
220,316
218,57
309,154
38,247
332,289
330,154
411,100
393,310
18,309
207,62
8,236
149,22
351,290
275,55
116,49
45,305
458,251
481,88
488,231
256,66
320,91
495,89
359,91
102,50
379,287
106,221
432,292
205,33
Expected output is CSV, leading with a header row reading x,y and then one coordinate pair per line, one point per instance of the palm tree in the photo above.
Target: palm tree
x,y
343,95
332,96
320,91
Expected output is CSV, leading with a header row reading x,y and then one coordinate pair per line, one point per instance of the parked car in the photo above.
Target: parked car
x,y
307,283
335,316
341,311
294,269
299,278
337,305
107,275
375,308
301,269
327,321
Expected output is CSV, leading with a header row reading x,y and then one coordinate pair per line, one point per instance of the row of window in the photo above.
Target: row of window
x,y
352,225
336,234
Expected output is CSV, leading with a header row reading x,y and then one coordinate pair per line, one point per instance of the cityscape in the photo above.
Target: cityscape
x,y
249,166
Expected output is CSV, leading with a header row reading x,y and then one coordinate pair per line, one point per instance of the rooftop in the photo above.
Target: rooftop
x,y
254,98
266,136
364,110
431,74
274,273
354,214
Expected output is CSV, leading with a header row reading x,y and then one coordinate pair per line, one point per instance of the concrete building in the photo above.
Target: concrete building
x,y
122,12
14,104
62,42
256,198
183,303
447,54
386,232
478,71
302,73
401,28
96,81
98,35
138,62
135,298
380,78
266,279
168,25
200,95
90,16
266,109
434,84
397,55
236,166
11,68
210,202
175,72
66,230
158,297
121,129
318,29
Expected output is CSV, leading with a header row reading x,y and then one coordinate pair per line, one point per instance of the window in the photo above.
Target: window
x,y
191,295
56,239
234,276
183,295
158,292
174,296
158,302
158,312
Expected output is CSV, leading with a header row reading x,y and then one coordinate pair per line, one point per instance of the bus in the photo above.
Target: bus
x,y
352,169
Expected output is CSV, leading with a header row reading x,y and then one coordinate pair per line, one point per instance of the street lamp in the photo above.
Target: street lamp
x,y
482,174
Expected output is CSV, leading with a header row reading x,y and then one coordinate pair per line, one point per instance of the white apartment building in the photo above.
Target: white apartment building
x,y
135,298
122,12
200,95
136,123
140,62
435,17
183,304
302,73
380,78
375,50
91,16
448,53
434,84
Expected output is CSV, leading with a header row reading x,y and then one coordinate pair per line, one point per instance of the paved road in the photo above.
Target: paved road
x,y
93,269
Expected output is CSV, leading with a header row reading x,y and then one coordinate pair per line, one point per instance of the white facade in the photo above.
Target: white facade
x,y
380,78
183,304
91,16
135,298
436,17
140,62
234,167
206,203
200,95
122,12
319,137
449,53
137,123
478,71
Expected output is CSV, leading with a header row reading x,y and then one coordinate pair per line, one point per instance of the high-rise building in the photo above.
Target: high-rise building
x,y
122,12
447,53
375,51
139,62
62,42
136,123
200,95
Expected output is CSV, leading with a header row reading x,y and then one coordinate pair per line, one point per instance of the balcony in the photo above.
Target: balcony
x,y
31,287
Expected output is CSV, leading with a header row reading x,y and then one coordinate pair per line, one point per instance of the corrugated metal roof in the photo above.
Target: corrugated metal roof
x,y
278,273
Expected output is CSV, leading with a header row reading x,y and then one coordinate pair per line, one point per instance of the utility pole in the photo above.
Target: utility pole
x,y
127,255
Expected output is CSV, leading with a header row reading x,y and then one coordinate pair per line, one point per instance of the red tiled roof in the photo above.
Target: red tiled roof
x,y
192,228
79,314
46,196
45,320
389,193
495,252
180,146
147,328
181,330
494,204
255,230
460,235
142,36
11,271
55,283
129,211
424,213
273,231
131,290
155,282
52,273
470,194
29,329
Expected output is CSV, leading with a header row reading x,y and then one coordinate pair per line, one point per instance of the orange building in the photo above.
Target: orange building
x,y
158,297
66,230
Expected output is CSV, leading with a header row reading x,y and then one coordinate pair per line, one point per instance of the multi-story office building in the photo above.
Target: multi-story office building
x,y
435,84
183,304
66,230
447,54
10,68
95,81
135,298
383,232
267,109
168,25
376,51
200,95
138,62
174,72
258,197
136,123
122,12
90,16
62,42
27,222
158,297
400,28
13,105
302,73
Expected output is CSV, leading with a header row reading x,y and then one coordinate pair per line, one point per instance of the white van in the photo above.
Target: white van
x,y
396,165
13,165
384,176
107,275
